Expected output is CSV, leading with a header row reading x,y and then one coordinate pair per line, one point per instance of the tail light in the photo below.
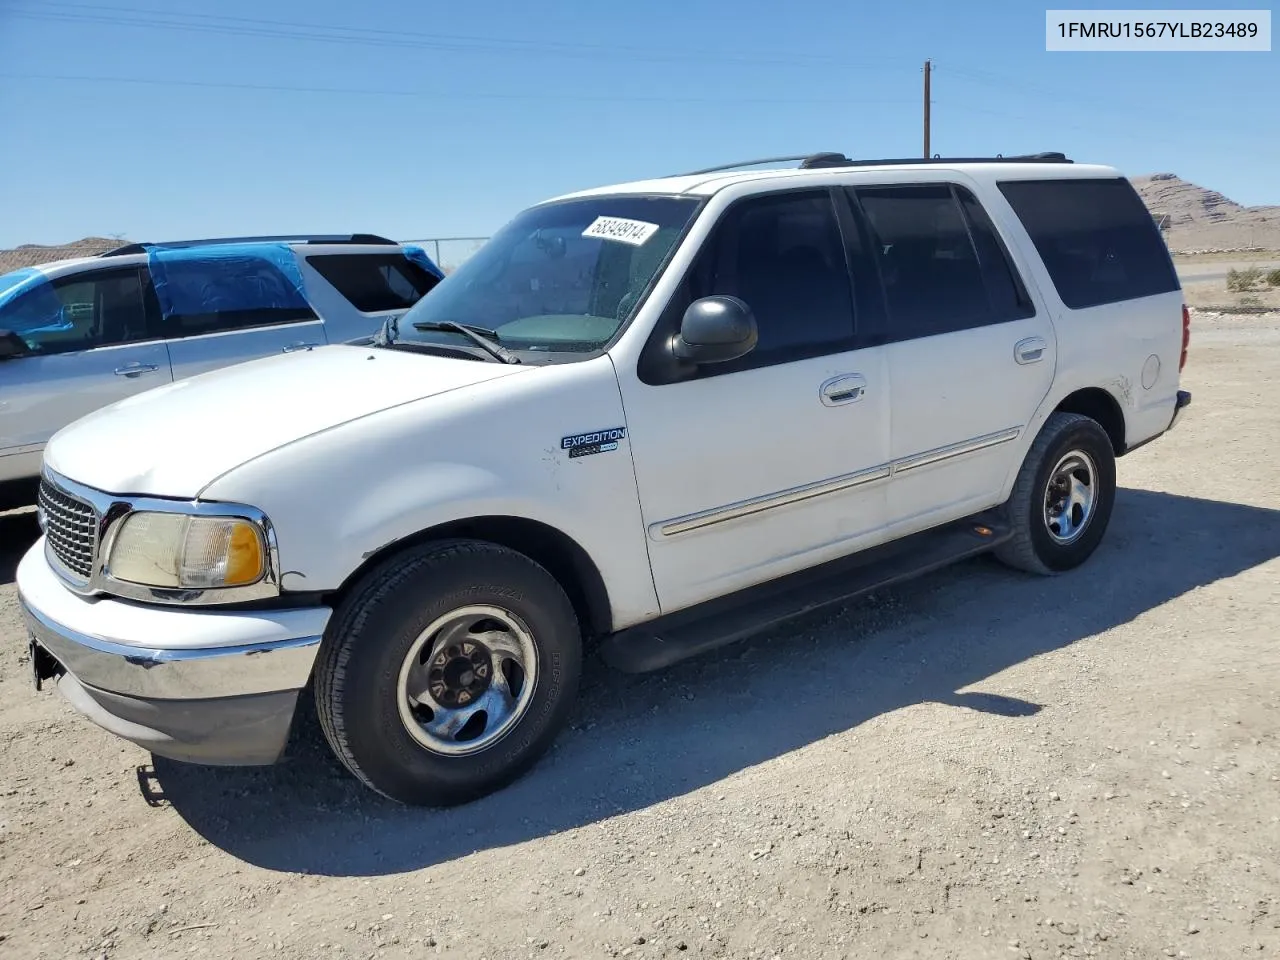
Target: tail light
x,y
1186,336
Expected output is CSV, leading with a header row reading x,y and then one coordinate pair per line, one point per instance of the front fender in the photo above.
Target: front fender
x,y
339,497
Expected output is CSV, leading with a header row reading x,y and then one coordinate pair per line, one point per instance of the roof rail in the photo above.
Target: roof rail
x,y
815,161
1045,157
804,158
350,238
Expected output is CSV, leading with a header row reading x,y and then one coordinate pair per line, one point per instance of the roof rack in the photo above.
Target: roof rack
x,y
816,161
1046,157
349,238
804,158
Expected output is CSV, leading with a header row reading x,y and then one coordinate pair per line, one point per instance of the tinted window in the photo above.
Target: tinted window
x,y
216,291
373,282
80,312
783,256
1096,239
1005,290
932,278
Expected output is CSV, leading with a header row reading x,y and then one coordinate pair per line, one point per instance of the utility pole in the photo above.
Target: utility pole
x,y
928,64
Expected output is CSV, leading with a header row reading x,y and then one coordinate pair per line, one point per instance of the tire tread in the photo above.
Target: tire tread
x,y
375,588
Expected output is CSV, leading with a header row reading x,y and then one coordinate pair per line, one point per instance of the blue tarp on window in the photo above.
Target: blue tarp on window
x,y
416,254
191,281
18,281
28,304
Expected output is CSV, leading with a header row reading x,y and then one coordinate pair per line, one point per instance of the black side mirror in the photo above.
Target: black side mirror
x,y
11,345
715,329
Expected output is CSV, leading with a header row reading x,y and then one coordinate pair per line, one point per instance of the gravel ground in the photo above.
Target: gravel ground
x,y
978,764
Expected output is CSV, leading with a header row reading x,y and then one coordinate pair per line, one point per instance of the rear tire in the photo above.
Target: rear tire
x,y
447,672
1062,498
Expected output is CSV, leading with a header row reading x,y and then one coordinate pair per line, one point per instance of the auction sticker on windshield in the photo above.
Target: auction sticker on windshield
x,y
634,232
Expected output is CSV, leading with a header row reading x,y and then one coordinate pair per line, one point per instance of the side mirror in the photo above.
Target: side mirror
x,y
12,345
715,329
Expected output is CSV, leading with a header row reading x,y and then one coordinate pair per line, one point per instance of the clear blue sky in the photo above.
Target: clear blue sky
x,y
455,116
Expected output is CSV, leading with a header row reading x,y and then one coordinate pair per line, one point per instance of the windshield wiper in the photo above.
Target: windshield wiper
x,y
480,336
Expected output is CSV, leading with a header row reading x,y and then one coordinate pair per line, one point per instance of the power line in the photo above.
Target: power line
x,y
611,48
1027,86
960,109
434,95
107,15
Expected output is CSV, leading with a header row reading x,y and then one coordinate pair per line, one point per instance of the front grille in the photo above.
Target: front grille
x,y
70,527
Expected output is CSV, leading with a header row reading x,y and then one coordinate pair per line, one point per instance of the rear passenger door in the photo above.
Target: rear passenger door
x,y
227,305
1115,284
970,357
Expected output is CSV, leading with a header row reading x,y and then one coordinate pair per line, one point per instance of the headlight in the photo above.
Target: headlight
x,y
188,552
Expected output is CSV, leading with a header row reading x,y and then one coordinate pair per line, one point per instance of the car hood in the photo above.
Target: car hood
x,y
175,440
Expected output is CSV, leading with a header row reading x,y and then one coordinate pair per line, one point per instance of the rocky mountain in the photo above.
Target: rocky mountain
x,y
1202,219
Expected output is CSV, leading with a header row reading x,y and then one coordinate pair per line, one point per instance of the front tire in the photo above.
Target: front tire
x,y
1062,498
447,672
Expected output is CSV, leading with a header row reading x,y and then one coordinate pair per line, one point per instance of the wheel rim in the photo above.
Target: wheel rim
x,y
1070,497
467,679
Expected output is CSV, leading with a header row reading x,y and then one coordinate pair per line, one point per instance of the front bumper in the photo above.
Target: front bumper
x,y
204,686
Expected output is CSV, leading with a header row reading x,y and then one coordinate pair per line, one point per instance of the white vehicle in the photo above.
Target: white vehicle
x,y
76,335
655,417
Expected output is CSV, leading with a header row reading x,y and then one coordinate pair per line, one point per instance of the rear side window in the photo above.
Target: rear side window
x,y
374,282
1008,296
229,287
1096,238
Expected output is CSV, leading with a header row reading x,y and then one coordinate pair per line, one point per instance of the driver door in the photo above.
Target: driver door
x,y
775,462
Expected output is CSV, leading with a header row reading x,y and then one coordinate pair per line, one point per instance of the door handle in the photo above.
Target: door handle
x,y
1030,350
135,369
848,388
300,345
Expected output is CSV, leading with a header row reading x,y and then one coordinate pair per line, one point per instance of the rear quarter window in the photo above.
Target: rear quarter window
x,y
1096,238
375,282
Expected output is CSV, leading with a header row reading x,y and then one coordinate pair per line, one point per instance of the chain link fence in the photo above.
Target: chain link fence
x,y
449,252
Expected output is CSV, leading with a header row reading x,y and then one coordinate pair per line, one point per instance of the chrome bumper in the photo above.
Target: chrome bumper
x,y
199,674
204,686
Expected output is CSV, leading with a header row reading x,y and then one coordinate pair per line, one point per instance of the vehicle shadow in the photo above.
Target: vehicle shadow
x,y
639,740
18,531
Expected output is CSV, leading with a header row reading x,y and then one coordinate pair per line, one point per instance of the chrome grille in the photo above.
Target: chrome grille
x,y
70,527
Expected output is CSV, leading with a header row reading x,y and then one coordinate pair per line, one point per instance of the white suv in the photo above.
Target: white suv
x,y
655,416
76,335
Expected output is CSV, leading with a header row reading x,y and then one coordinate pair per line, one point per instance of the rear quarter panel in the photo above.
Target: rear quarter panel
x,y
1131,349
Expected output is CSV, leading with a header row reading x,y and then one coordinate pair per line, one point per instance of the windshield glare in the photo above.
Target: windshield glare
x,y
558,278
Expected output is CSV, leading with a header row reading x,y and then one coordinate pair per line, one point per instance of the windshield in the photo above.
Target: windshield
x,y
558,278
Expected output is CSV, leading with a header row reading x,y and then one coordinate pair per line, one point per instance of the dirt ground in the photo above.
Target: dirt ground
x,y
978,764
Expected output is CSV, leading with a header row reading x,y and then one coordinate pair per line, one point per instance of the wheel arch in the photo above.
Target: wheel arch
x,y
562,556
1099,405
